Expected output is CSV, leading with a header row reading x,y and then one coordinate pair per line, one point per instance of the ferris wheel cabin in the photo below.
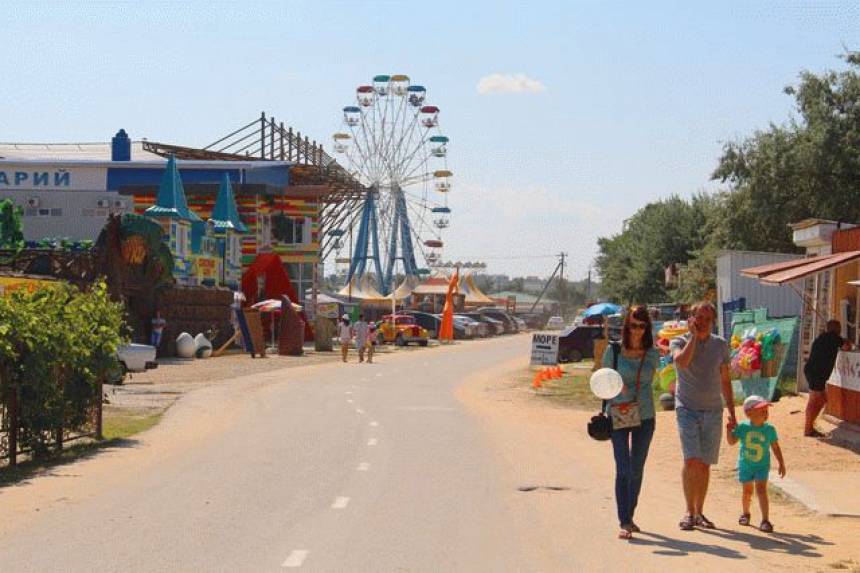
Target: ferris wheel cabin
x,y
352,115
381,85
416,95
399,85
439,146
442,180
365,95
442,217
341,142
429,116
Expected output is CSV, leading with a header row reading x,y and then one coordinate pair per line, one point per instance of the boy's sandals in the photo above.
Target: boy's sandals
x,y
625,534
814,434
688,523
744,519
703,521
766,526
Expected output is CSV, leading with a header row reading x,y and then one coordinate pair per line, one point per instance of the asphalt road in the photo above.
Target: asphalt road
x,y
331,468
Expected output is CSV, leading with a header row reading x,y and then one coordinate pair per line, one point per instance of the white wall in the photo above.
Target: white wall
x,y
731,285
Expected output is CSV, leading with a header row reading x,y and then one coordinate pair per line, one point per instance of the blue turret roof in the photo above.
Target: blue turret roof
x,y
225,215
171,200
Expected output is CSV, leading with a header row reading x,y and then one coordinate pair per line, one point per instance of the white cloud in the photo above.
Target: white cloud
x,y
509,83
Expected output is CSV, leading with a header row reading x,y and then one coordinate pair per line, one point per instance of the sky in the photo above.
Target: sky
x,y
564,117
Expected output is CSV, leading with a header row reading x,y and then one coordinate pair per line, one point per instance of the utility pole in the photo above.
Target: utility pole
x,y
588,285
558,267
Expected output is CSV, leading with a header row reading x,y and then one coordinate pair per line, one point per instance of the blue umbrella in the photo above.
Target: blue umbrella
x,y
603,308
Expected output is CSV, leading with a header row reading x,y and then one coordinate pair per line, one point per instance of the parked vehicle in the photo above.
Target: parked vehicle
x,y
426,320
521,324
533,319
577,343
493,326
555,323
133,358
431,322
403,330
473,327
504,317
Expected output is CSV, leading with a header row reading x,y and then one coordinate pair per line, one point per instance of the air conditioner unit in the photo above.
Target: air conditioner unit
x,y
104,203
33,202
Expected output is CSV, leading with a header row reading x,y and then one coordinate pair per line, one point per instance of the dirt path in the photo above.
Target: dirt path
x,y
546,444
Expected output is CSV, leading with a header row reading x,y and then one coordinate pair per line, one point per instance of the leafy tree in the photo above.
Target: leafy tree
x,y
632,264
809,167
11,236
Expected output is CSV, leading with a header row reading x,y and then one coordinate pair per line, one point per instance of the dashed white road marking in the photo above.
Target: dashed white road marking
x,y
372,442
379,374
426,409
349,401
348,392
374,423
296,558
363,467
340,503
359,411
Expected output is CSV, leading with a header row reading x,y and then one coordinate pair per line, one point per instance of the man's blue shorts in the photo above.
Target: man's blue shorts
x,y
701,432
747,474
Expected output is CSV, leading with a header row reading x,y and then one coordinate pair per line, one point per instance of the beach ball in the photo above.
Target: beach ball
x,y
606,383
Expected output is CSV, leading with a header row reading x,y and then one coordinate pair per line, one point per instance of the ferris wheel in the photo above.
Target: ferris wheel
x,y
392,143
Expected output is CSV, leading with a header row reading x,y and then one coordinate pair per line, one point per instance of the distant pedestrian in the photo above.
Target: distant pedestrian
x,y
158,324
344,332
818,367
632,412
757,438
360,331
371,341
703,384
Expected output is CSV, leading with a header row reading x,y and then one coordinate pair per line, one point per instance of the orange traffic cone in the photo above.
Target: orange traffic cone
x,y
559,373
537,382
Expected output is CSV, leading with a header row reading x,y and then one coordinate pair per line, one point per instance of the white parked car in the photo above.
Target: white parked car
x,y
134,358
555,323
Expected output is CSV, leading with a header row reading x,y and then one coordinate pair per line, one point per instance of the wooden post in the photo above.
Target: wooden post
x,y
272,139
281,134
298,146
13,425
263,135
99,409
290,139
307,147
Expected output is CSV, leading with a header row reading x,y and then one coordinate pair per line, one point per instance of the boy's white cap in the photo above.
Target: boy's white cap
x,y
345,317
755,402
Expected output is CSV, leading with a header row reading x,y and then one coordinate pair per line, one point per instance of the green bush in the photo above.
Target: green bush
x,y
56,345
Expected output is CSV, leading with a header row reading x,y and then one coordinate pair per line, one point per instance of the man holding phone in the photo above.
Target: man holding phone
x,y
703,384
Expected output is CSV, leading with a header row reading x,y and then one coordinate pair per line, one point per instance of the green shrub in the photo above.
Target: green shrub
x,y
56,344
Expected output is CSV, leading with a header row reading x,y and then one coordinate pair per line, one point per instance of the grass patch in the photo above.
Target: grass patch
x,y
117,427
119,424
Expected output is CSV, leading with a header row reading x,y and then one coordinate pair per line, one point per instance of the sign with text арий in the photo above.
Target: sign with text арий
x,y
544,349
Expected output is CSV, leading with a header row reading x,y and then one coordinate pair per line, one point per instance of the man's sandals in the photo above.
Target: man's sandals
x,y
689,523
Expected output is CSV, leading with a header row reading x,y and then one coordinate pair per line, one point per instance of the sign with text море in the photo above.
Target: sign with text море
x,y
544,349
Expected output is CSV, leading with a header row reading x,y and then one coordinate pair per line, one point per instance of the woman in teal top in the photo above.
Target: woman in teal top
x,y
637,360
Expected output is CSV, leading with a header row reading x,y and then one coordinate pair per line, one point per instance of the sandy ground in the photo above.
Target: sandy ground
x,y
526,426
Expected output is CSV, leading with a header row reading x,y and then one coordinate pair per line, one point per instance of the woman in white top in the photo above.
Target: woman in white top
x,y
345,334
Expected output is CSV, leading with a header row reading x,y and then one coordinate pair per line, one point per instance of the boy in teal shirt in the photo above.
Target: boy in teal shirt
x,y
757,438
